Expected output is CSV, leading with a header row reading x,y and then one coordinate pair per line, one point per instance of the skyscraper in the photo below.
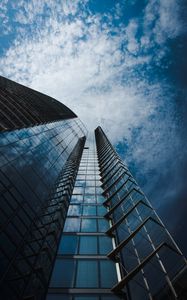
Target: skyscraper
x,y
75,224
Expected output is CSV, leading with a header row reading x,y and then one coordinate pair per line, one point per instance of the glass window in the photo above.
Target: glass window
x,y
100,199
90,190
68,244
90,183
103,225
87,274
63,273
90,177
88,245
105,245
101,210
78,190
108,275
77,198
72,225
80,177
99,190
89,199
89,210
80,183
74,210
89,225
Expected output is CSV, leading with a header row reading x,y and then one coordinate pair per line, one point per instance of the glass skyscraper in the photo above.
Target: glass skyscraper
x,y
74,222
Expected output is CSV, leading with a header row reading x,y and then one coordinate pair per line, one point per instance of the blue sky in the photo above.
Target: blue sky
x,y
118,64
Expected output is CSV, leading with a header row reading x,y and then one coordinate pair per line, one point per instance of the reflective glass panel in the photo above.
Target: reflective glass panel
x,y
68,244
88,245
108,275
87,274
63,273
89,225
72,225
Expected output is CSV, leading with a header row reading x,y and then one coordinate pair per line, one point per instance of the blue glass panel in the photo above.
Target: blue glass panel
x,y
68,244
88,245
100,199
78,190
103,225
77,198
63,273
74,210
87,274
108,275
90,190
101,211
105,245
72,225
89,210
89,225
89,199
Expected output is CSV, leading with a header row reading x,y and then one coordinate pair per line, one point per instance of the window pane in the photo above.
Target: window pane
x,y
74,210
89,199
78,190
105,245
87,274
76,198
100,199
88,245
72,225
63,273
90,190
68,244
108,275
101,211
89,210
89,225
103,225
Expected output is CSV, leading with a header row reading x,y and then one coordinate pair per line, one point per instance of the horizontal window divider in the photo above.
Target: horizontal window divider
x,y
85,233
83,256
94,291
113,253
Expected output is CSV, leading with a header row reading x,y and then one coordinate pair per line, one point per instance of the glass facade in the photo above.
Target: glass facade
x,y
82,267
39,161
150,261
32,178
24,107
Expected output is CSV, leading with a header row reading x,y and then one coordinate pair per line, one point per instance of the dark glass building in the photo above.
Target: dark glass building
x,y
74,223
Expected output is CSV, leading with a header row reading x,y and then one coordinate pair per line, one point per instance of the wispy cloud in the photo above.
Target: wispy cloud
x,y
101,67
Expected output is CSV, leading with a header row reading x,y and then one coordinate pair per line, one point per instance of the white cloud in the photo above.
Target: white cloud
x,y
77,61
162,20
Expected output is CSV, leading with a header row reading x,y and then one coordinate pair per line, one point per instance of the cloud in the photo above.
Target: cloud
x,y
100,69
162,20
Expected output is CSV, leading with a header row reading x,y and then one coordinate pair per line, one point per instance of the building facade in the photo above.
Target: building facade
x,y
74,223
